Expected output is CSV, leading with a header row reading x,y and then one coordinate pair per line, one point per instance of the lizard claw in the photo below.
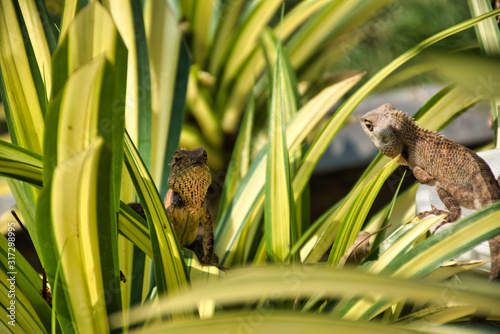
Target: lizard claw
x,y
212,261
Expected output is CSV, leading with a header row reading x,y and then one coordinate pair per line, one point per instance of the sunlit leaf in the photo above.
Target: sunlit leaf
x,y
20,164
251,188
280,228
170,270
273,282
353,214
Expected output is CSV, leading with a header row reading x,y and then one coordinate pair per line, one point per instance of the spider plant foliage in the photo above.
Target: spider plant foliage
x,y
95,106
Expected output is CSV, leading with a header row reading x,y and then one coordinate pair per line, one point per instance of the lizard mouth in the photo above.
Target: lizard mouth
x,y
193,165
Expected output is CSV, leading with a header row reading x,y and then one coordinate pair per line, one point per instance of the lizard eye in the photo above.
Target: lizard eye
x,y
369,125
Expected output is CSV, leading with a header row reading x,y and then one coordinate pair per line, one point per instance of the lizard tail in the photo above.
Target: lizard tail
x,y
495,257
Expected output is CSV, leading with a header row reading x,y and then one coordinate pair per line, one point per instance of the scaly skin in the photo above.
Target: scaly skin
x,y
461,177
189,181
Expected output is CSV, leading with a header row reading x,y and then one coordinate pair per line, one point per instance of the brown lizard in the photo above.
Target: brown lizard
x,y
461,177
189,181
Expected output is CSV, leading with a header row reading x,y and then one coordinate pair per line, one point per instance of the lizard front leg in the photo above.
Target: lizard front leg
x,y
451,204
208,239
423,177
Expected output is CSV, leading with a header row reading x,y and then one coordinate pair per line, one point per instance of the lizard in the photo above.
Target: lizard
x,y
188,181
461,178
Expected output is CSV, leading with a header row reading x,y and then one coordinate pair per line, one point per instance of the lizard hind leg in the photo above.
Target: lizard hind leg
x,y
453,208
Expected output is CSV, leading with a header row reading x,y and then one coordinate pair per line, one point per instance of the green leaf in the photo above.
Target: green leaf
x,y
71,9
488,36
176,114
268,320
486,31
298,15
32,313
170,271
245,38
291,97
286,282
23,106
135,229
129,18
83,230
251,188
225,27
20,164
380,235
330,130
202,14
333,18
403,261
354,211
403,211
398,243
477,75
447,244
201,109
91,36
40,35
280,226
240,158
169,64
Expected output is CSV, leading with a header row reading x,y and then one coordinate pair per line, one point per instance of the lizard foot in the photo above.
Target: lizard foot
x,y
212,261
435,211
449,219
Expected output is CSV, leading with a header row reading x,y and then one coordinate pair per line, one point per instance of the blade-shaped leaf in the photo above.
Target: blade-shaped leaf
x,y
82,234
23,103
90,36
354,211
240,159
488,35
135,229
251,188
21,284
280,228
246,36
251,284
20,164
337,15
428,255
270,321
170,271
169,64
330,130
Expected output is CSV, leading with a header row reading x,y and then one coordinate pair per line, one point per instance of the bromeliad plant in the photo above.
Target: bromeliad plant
x,y
107,91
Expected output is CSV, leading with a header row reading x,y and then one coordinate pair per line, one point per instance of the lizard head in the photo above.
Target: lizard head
x,y
190,176
383,125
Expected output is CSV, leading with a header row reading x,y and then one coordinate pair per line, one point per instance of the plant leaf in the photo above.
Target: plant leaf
x,y
280,228
23,105
170,271
353,214
20,164
251,188
285,282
